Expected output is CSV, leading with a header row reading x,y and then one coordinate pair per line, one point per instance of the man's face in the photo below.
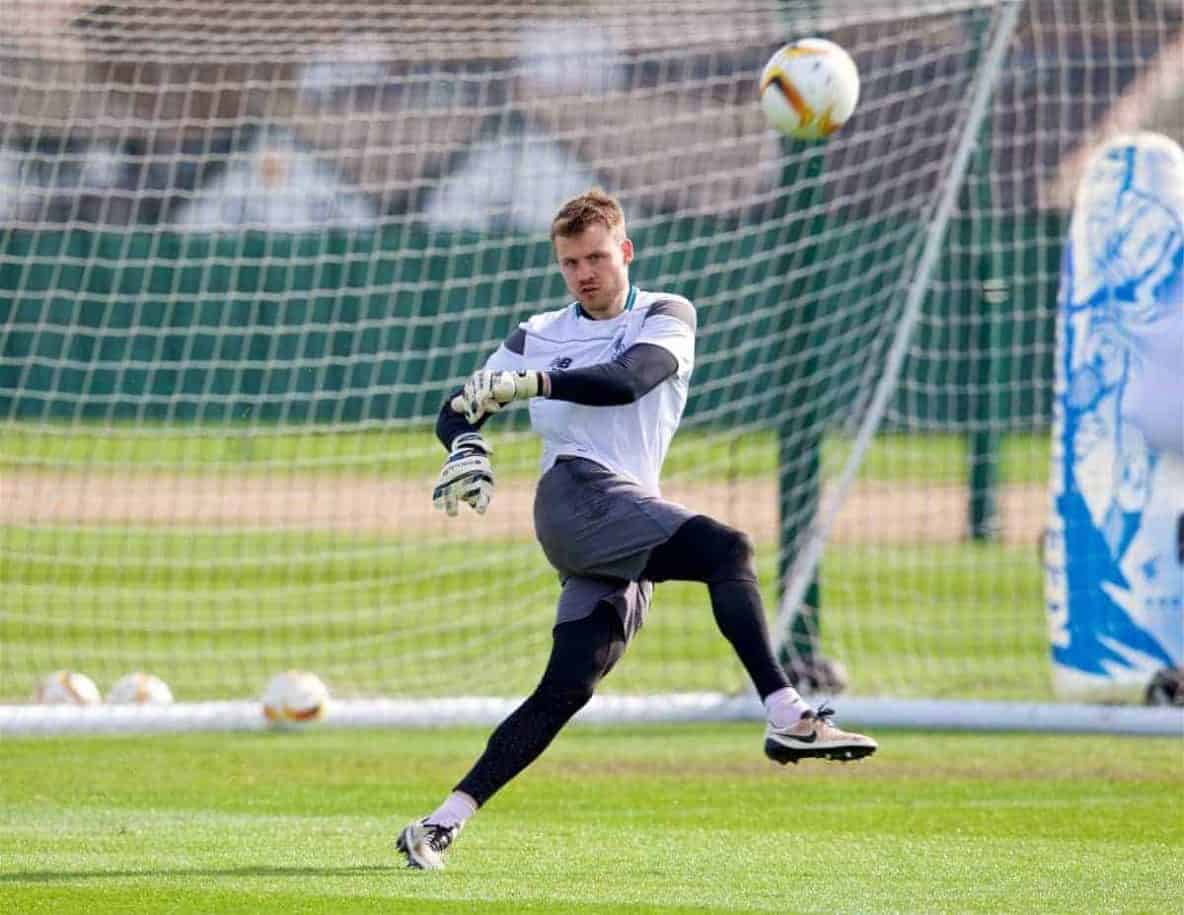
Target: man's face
x,y
595,266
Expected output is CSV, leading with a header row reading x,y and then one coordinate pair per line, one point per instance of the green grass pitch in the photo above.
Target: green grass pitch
x,y
212,609
414,452
213,612
686,818
680,818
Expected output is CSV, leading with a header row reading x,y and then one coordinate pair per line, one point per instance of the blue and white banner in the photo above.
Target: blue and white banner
x,y
1114,576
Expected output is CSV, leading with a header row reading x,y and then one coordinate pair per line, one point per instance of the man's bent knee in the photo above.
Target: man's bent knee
x,y
722,553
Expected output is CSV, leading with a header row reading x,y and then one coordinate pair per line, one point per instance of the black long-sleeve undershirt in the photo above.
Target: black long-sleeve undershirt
x,y
629,377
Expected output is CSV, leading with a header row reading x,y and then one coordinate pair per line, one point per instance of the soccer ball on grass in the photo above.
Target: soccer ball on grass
x,y
67,687
809,89
140,689
295,698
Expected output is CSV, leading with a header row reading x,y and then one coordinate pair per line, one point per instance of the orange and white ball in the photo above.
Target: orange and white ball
x,y
809,89
140,689
294,698
67,687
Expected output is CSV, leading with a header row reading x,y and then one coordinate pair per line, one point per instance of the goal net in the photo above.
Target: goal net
x,y
247,247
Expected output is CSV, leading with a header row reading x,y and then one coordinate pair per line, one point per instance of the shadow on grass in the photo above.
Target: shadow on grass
x,y
258,871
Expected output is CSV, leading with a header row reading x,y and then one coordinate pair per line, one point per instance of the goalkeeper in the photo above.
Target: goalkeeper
x,y
607,379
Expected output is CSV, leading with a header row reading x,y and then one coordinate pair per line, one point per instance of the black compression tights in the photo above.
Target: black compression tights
x,y
722,557
582,653
585,650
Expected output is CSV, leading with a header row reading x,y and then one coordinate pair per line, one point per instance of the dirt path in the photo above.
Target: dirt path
x,y
875,512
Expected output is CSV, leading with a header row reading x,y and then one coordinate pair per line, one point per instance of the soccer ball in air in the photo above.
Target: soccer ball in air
x,y
140,689
294,698
809,89
67,687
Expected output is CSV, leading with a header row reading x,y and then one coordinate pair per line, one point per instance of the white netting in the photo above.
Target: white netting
x,y
245,248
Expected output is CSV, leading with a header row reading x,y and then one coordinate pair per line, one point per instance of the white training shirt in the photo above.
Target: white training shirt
x,y
630,439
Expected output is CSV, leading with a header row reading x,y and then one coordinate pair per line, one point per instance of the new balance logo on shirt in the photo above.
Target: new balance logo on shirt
x,y
630,439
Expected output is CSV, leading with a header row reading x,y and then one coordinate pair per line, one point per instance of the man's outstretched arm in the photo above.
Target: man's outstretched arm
x,y
632,375
629,377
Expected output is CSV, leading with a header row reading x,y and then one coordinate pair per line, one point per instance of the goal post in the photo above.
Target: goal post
x,y
801,576
241,266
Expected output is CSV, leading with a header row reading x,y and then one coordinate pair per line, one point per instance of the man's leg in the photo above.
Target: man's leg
x,y
722,557
704,550
582,653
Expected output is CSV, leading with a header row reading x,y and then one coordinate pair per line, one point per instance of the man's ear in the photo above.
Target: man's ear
x,y
627,250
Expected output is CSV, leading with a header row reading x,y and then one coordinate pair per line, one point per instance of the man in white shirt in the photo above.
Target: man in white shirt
x,y
607,379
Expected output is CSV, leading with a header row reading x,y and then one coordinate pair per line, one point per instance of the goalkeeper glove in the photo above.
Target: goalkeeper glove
x,y
487,392
467,476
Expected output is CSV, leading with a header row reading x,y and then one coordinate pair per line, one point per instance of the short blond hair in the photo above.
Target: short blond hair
x,y
593,207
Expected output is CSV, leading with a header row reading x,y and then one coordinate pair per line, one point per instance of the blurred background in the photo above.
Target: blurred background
x,y
243,243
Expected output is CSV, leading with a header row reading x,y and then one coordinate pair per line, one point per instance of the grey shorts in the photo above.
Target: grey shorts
x,y
598,530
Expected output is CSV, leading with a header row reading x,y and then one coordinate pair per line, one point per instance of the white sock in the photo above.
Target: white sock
x,y
784,707
457,808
